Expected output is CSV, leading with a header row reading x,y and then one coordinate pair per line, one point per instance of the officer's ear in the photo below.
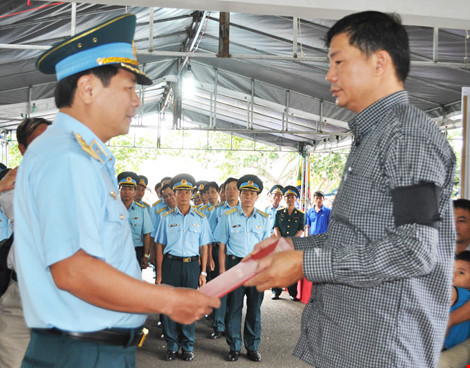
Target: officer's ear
x,y
85,87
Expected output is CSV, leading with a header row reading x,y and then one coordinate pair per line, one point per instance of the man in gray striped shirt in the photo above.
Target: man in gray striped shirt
x,y
382,272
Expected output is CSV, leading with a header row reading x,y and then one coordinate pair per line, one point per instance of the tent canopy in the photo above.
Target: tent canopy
x,y
269,85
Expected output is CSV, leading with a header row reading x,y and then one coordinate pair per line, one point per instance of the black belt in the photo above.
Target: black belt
x,y
120,337
14,276
182,259
234,258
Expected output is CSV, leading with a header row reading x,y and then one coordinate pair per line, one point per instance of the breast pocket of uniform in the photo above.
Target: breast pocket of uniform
x,y
137,221
195,233
116,215
257,232
173,233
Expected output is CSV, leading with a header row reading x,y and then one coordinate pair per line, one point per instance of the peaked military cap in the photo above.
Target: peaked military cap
x,y
182,181
200,185
290,189
277,189
250,182
142,180
127,179
110,43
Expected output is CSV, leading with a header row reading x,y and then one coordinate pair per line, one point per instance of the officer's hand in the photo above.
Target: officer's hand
x,y
144,263
278,270
211,264
188,305
158,280
202,280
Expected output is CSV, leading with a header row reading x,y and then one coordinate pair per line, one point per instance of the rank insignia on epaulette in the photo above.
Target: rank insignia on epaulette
x,y
172,225
230,211
197,225
199,213
263,213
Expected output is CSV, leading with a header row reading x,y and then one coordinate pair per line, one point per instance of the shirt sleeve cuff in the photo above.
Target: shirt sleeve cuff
x,y
317,265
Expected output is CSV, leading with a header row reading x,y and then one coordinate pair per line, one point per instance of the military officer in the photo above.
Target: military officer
x,y
238,230
289,222
232,200
142,183
182,240
139,219
80,283
275,196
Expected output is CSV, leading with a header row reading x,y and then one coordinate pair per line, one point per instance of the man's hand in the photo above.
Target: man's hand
x,y
8,182
202,280
278,269
158,280
189,305
211,263
144,263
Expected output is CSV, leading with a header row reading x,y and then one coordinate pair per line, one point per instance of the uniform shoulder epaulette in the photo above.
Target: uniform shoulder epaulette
x,y
219,204
94,149
161,210
145,204
157,202
167,212
300,211
140,205
202,208
211,208
231,210
263,213
199,213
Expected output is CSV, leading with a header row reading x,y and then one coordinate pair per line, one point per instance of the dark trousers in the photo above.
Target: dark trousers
x,y
292,289
139,253
218,323
233,320
179,274
55,351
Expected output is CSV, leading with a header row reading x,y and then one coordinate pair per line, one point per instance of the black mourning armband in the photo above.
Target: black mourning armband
x,y
417,204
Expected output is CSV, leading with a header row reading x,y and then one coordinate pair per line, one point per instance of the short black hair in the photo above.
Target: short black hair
x,y
462,203
165,178
166,186
228,181
211,184
65,89
371,31
27,127
318,194
158,185
463,256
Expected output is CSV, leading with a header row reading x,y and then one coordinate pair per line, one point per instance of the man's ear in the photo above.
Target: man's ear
x,y
85,86
383,62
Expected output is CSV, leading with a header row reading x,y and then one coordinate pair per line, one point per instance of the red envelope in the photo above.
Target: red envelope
x,y
242,272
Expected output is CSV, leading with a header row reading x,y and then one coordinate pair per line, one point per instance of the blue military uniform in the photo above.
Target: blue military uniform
x,y
140,222
53,222
181,236
5,226
240,233
271,210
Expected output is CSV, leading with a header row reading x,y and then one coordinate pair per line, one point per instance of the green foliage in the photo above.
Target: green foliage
x,y
130,152
326,170
14,154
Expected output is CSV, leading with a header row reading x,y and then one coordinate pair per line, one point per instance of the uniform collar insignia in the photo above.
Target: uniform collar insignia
x,y
94,149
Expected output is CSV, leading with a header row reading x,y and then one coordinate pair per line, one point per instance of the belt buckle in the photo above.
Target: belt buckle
x,y
143,336
187,260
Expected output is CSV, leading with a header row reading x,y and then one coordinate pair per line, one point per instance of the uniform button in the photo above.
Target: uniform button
x,y
122,216
288,220
288,225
